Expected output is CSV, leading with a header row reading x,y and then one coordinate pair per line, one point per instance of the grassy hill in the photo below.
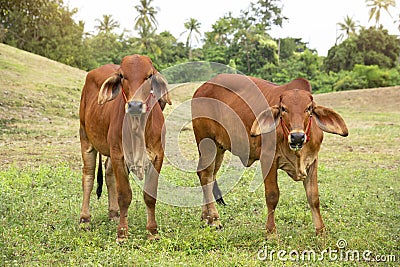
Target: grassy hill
x,y
39,100
40,185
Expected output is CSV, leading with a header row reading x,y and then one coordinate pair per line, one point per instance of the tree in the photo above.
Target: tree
x,y
289,46
221,30
173,52
146,20
250,46
192,27
348,28
342,57
217,42
107,25
370,47
147,44
44,27
265,13
146,24
20,20
245,38
376,7
104,48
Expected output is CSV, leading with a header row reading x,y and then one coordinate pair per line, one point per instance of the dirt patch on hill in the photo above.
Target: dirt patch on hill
x,y
378,99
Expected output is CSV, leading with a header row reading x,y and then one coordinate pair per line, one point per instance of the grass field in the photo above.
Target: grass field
x,y
40,188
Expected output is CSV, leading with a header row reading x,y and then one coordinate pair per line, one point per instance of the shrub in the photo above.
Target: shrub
x,y
323,82
367,77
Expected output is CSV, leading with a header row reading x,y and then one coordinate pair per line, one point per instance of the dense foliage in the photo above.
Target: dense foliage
x,y
370,47
368,58
44,27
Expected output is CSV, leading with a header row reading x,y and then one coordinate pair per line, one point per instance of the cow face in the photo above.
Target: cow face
x,y
138,81
295,114
296,107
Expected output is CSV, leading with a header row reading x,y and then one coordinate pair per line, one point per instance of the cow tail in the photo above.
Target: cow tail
x,y
99,179
218,194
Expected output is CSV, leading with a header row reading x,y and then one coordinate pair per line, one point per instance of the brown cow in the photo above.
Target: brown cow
x,y
111,94
282,127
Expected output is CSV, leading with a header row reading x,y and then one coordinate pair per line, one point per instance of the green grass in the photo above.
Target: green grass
x,y
40,188
40,209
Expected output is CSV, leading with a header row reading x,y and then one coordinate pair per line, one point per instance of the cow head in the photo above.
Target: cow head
x,y
295,114
138,81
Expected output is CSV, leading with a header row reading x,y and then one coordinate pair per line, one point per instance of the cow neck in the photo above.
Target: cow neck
x,y
151,96
286,131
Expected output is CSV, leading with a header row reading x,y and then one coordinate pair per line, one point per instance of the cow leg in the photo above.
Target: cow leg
x,y
89,155
209,211
311,187
219,157
150,197
206,176
271,195
88,171
124,196
112,192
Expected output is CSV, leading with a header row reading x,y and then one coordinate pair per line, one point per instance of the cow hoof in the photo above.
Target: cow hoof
x,y
215,223
271,235
152,236
121,240
113,216
114,219
84,224
320,232
84,220
122,235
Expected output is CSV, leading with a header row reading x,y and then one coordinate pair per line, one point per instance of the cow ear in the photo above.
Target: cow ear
x,y
110,89
266,121
159,85
330,121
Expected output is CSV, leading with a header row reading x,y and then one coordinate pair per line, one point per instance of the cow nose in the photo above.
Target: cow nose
x,y
134,108
297,138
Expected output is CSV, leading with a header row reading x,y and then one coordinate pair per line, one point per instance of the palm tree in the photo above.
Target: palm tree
x,y
222,28
146,19
147,43
348,28
107,24
192,27
376,7
146,25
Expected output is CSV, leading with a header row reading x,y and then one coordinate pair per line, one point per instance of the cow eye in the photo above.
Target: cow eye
x,y
149,77
283,109
309,109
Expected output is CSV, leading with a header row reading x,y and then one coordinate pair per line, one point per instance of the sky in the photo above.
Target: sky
x,y
315,21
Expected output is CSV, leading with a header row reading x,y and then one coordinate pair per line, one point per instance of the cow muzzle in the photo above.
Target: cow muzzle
x,y
297,140
135,108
